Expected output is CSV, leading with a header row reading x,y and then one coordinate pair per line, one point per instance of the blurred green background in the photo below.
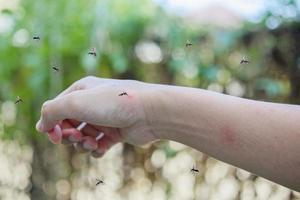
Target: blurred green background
x,y
143,40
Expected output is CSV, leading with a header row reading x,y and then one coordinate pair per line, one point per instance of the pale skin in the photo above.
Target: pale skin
x,y
261,137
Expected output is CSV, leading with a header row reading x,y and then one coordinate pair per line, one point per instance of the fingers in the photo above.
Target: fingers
x,y
72,135
97,145
66,131
103,145
55,135
111,136
84,140
88,129
89,143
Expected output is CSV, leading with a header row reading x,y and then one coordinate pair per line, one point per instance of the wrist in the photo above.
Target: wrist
x,y
159,110
174,112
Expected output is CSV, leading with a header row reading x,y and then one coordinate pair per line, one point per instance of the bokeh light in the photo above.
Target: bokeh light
x,y
143,40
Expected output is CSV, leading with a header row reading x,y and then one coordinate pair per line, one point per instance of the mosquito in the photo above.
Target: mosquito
x,y
55,69
123,93
93,52
244,61
36,38
188,43
18,100
194,170
99,182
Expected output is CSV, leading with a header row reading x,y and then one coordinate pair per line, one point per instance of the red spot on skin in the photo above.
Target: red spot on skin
x,y
227,135
258,111
130,96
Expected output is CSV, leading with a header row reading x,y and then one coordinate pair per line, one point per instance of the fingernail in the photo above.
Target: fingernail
x,y
100,151
55,135
89,146
66,142
39,126
74,138
97,154
78,147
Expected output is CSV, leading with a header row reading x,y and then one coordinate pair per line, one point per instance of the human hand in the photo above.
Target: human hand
x,y
101,104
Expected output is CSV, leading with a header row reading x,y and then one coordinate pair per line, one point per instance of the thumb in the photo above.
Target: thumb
x,y
65,107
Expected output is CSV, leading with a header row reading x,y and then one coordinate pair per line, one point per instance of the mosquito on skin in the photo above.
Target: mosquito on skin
x,y
123,93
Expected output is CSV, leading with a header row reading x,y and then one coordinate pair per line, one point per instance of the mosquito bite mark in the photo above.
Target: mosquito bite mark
x,y
258,111
228,135
123,94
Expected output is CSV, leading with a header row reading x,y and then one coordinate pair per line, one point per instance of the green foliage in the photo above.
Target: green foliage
x,y
69,29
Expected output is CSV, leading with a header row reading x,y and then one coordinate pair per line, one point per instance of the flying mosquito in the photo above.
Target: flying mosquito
x,y
55,69
93,52
194,170
18,100
36,38
99,182
188,43
123,93
244,61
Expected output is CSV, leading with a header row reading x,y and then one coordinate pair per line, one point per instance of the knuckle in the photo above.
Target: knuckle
x,y
88,78
83,83
78,86
46,108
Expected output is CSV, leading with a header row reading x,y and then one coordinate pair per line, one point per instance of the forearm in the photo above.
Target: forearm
x,y
263,138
